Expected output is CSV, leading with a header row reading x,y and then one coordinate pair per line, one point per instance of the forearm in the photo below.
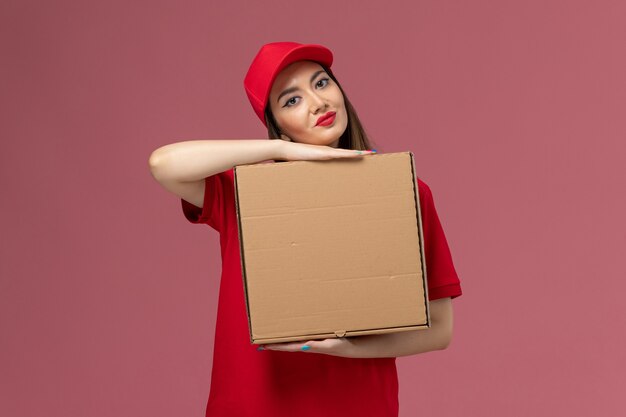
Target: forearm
x,y
197,159
401,343
436,337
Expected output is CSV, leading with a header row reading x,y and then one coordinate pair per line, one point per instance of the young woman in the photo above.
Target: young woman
x,y
295,95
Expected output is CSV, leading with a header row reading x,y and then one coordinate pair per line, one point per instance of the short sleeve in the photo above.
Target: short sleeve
x,y
441,275
212,211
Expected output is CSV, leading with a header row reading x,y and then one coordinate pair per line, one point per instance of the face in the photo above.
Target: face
x,y
301,93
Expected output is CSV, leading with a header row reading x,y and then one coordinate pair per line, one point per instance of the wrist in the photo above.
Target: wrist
x,y
278,149
362,346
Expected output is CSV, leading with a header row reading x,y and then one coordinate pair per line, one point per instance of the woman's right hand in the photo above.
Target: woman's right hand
x,y
294,151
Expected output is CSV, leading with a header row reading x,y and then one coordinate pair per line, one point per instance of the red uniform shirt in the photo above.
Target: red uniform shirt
x,y
246,382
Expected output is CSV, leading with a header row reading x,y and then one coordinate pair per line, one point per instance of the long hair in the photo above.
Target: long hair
x,y
354,137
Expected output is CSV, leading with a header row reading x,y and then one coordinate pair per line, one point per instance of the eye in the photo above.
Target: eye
x,y
324,81
290,102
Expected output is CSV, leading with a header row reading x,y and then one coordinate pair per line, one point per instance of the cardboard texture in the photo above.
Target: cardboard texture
x,y
331,248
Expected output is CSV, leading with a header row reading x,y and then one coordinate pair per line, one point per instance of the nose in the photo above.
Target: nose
x,y
317,103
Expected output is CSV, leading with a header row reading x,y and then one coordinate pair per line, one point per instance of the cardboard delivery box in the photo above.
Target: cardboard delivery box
x,y
331,248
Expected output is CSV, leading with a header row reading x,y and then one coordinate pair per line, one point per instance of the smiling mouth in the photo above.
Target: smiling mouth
x,y
326,119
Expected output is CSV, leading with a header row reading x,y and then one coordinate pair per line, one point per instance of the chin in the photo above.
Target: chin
x,y
335,137
327,141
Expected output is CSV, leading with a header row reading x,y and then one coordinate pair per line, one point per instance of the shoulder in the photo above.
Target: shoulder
x,y
424,189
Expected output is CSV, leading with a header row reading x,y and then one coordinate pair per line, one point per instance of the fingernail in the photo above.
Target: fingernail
x,y
260,348
306,347
374,150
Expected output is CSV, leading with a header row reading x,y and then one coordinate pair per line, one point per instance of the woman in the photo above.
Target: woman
x,y
295,95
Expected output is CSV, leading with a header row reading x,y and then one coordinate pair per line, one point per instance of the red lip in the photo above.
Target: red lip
x,y
323,117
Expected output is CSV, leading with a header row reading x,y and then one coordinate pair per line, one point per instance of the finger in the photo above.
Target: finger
x,y
295,347
286,347
359,152
320,345
351,153
324,344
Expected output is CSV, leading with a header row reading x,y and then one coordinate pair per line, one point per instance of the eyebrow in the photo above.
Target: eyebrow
x,y
292,89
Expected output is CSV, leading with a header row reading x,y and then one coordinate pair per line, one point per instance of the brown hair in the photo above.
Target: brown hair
x,y
354,137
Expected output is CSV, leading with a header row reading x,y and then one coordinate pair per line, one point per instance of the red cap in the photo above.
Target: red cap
x,y
270,60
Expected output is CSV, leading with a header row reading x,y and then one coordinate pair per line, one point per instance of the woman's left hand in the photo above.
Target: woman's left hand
x,y
341,346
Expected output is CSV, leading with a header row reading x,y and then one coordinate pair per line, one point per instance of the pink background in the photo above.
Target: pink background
x,y
515,112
